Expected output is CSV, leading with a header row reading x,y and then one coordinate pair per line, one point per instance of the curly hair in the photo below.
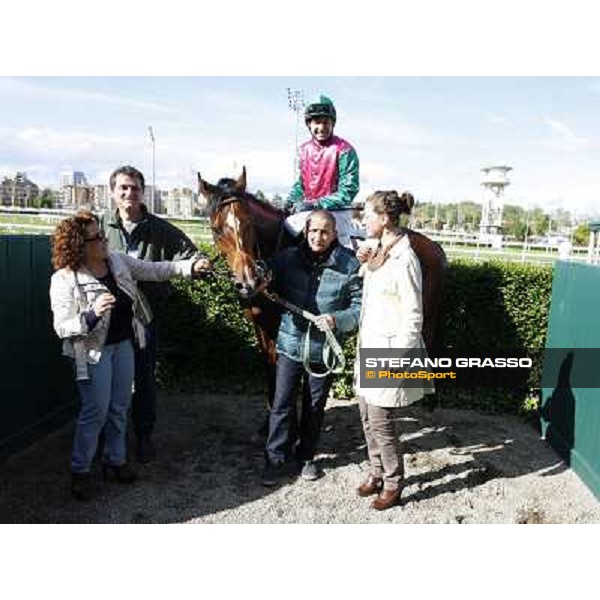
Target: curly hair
x,y
68,240
391,204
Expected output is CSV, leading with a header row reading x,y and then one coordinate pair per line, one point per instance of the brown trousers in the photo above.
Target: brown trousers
x,y
380,426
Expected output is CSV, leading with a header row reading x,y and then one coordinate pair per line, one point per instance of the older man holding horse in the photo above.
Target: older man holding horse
x,y
318,278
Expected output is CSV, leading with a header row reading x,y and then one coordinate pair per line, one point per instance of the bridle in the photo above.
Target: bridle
x,y
258,265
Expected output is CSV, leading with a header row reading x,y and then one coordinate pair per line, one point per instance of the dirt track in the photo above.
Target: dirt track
x,y
462,467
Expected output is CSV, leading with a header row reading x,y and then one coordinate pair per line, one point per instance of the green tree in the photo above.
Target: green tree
x,y
514,221
47,198
561,219
457,215
424,213
538,222
468,215
44,200
581,235
450,215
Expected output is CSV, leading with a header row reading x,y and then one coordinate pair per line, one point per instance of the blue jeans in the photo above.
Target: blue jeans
x,y
104,398
143,404
283,420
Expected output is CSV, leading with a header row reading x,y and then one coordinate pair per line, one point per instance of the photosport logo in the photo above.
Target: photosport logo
x,y
429,375
480,368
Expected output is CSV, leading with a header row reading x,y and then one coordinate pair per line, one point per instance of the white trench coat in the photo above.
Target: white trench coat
x,y
392,317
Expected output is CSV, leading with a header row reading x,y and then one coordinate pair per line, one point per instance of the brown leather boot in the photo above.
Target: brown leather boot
x,y
387,499
371,486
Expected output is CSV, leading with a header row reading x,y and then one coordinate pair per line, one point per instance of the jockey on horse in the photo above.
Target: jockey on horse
x,y
328,173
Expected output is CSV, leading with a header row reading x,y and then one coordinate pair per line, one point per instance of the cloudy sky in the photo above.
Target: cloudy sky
x,y
431,135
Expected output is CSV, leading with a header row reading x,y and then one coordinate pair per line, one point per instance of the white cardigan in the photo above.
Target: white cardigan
x,y
392,317
73,292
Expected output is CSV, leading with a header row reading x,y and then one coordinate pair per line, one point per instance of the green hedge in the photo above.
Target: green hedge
x,y
206,342
496,305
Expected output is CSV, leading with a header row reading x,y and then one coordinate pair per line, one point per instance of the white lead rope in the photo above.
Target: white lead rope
x,y
331,343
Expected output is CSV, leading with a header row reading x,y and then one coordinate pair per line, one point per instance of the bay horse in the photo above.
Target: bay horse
x,y
247,231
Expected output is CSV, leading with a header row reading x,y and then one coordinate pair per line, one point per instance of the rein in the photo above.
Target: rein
x,y
334,364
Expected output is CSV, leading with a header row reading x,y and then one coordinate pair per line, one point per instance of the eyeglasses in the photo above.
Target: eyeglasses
x,y
100,236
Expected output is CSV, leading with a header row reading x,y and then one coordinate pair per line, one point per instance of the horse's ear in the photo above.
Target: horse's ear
x,y
204,188
240,184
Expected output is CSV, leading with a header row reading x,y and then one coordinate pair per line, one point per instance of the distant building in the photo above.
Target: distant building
x,y
101,198
73,178
158,199
161,202
76,196
18,191
201,204
6,188
180,202
75,191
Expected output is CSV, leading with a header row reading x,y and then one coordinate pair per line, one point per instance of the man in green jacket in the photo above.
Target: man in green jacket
x,y
131,228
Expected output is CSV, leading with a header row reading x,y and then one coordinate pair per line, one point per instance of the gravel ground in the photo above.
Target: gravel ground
x,y
462,467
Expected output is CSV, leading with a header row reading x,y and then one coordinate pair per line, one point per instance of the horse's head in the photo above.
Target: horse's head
x,y
233,231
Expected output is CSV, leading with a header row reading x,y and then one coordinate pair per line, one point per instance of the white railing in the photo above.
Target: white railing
x,y
457,245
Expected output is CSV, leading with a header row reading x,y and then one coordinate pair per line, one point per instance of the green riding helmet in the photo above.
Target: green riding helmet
x,y
322,106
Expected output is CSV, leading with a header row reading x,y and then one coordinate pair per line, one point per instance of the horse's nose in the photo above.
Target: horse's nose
x,y
244,289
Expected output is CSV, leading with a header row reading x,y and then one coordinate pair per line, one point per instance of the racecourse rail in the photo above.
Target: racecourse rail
x,y
457,245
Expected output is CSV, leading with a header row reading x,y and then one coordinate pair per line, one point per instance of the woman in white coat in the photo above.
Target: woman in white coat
x,y
97,313
392,317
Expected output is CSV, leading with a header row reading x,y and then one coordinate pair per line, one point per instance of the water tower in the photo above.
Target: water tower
x,y
494,182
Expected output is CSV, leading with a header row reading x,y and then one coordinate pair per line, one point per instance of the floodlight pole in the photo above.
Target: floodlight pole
x,y
296,103
153,168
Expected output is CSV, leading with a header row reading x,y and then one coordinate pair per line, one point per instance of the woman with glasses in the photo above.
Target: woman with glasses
x,y
98,313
